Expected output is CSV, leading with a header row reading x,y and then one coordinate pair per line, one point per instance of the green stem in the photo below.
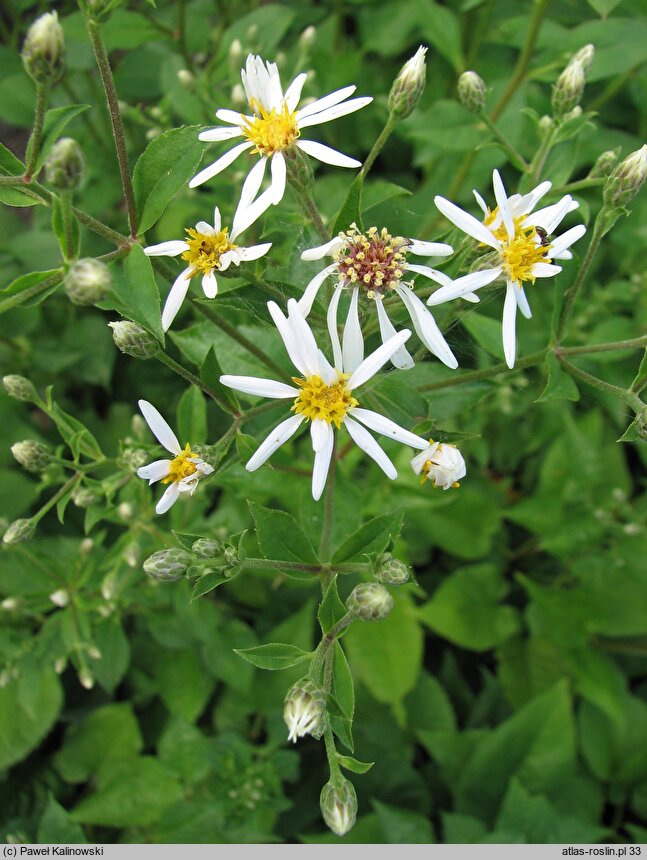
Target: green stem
x,y
541,155
635,343
379,144
531,360
515,157
36,137
571,295
331,754
624,394
103,64
69,252
194,380
580,185
310,210
67,486
24,296
278,564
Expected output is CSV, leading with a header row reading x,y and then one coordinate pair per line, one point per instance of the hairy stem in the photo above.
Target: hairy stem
x,y
531,360
194,380
624,394
572,293
515,157
36,137
379,144
35,290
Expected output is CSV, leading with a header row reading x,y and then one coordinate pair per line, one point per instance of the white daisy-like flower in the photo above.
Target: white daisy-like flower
x,y
324,396
274,125
182,473
440,463
372,265
207,250
523,245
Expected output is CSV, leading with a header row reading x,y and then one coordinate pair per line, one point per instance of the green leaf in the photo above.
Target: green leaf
x,y
603,8
26,282
56,827
9,164
343,695
164,168
29,707
139,292
559,384
73,431
210,373
281,537
58,228
485,331
185,750
331,609
134,792
441,28
350,212
12,166
192,416
55,121
640,379
373,537
379,191
571,127
403,825
183,684
108,733
274,655
465,609
353,764
113,644
210,580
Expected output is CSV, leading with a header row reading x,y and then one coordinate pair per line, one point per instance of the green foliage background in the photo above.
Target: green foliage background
x,y
505,698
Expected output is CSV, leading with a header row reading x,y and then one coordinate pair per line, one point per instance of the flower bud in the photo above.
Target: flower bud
x,y
32,455
471,91
585,58
235,53
304,709
441,463
87,282
86,546
43,53
167,565
370,601
206,548
64,165
338,803
86,678
604,164
231,555
186,79
19,531
238,97
20,388
569,88
133,340
133,458
408,85
131,554
546,125
60,597
299,168
9,604
392,571
627,179
84,497
307,38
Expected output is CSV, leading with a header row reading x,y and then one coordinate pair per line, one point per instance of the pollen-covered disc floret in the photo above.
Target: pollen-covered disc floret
x,y
270,131
182,466
374,260
521,252
440,463
318,401
204,251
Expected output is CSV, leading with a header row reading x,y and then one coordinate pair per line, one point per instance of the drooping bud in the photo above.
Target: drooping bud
x,y
392,571
569,88
585,58
167,565
627,179
64,165
33,456
308,38
87,282
338,803
19,531
206,548
133,340
408,86
604,164
303,710
20,388
43,53
369,601
440,463
472,91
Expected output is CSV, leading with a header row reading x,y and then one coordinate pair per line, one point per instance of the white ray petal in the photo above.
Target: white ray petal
x,y
561,255
250,189
481,202
154,471
463,286
318,434
370,366
561,243
528,201
331,320
254,252
167,249
233,117
217,220
419,460
363,439
310,292
326,371
352,339
205,229
290,342
502,203
223,162
304,336
175,298
321,463
169,498
428,272
327,154
426,327
429,249
279,173
325,102
246,217
545,270
293,92
210,285
386,427
260,386
214,135
279,436
401,359
321,250
467,223
522,303
335,112
159,427
551,216
509,325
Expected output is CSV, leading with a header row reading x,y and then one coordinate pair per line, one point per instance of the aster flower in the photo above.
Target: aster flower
x,y
440,463
373,264
207,250
324,396
182,473
523,245
274,126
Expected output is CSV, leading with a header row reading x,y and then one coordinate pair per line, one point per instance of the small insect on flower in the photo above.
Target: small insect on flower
x,y
182,473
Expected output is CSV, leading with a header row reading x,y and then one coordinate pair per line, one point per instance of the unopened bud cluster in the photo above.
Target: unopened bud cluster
x,y
133,340
472,91
338,803
369,601
304,709
64,165
87,282
20,388
43,53
33,456
627,179
604,164
408,86
569,88
206,555
207,548
168,565
392,571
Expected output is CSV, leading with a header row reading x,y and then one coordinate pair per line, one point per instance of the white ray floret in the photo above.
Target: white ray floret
x,y
440,463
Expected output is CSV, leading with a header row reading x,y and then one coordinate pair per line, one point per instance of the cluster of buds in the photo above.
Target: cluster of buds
x,y
569,88
133,340
626,180
206,555
408,86
43,52
33,456
64,165
304,710
87,282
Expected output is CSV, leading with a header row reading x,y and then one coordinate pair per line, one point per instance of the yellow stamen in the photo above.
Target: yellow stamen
x,y
271,131
329,403
520,253
205,251
181,466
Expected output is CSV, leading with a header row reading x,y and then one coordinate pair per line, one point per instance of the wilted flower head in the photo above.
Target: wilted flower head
x,y
304,709
441,463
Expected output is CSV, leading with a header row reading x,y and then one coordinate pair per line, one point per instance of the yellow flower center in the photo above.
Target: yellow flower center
x,y
271,131
205,251
181,466
329,403
520,253
372,260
